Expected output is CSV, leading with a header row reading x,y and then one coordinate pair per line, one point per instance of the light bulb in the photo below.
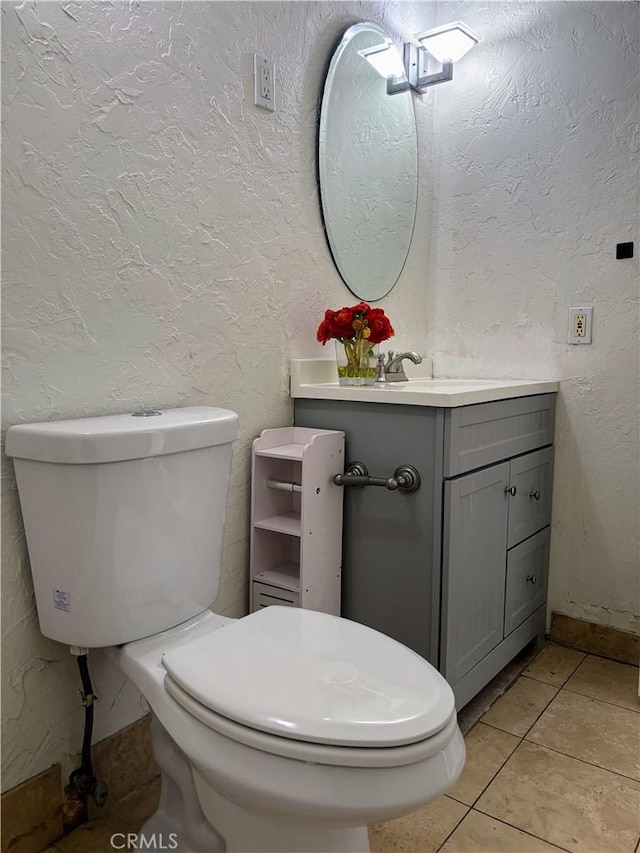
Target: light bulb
x,y
448,42
385,59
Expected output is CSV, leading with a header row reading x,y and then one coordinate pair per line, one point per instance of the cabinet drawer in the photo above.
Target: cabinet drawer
x,y
526,588
476,436
530,507
265,595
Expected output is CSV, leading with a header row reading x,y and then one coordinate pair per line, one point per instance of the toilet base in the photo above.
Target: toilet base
x,y
180,823
161,833
247,831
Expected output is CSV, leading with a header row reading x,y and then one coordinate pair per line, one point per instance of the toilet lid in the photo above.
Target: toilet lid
x,y
310,676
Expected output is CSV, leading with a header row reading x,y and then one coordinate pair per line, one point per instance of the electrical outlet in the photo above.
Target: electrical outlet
x,y
264,83
580,325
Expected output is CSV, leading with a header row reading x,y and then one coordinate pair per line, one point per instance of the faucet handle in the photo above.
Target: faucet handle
x,y
380,374
389,356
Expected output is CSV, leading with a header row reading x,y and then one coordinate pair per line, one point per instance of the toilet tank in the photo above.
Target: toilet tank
x,y
124,518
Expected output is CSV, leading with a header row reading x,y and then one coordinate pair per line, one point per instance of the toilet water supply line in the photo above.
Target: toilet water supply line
x,y
83,779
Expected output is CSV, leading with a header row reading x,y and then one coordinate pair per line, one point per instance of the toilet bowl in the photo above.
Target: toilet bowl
x,y
285,731
270,776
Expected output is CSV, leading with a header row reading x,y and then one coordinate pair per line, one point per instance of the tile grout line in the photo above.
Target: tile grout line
x,y
548,683
522,737
451,797
604,701
571,674
504,731
602,657
581,760
526,832
537,837
464,817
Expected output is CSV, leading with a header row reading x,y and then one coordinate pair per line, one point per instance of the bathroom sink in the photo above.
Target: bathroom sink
x,y
316,379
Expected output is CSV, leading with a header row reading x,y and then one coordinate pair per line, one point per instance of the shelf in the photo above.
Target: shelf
x,y
284,451
289,524
286,576
296,536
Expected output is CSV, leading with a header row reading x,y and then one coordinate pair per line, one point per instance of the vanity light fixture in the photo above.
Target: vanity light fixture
x,y
383,58
447,44
386,61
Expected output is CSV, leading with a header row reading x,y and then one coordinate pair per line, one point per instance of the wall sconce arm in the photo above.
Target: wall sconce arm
x,y
414,62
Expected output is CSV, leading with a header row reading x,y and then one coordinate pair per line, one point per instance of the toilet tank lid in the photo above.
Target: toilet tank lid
x,y
116,438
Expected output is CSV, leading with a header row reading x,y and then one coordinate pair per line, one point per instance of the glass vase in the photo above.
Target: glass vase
x,y
356,362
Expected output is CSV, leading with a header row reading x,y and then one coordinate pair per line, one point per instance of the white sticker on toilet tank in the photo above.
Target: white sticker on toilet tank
x,y
61,600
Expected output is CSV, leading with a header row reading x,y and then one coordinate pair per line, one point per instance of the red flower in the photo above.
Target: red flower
x,y
324,332
379,325
343,323
361,321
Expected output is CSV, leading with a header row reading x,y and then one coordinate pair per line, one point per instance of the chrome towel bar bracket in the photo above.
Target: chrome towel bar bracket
x,y
405,478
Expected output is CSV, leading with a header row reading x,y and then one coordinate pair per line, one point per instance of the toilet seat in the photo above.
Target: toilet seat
x,y
313,753
287,674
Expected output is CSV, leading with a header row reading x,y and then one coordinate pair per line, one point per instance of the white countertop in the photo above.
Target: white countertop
x,y
316,379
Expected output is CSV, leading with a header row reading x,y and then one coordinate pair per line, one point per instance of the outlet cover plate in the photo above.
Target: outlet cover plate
x,y
580,325
264,78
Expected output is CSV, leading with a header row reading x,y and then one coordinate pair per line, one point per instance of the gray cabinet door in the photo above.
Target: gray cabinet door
x,y
475,543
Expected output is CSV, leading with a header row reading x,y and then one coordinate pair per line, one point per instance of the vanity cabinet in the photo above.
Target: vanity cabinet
x,y
457,570
296,519
494,564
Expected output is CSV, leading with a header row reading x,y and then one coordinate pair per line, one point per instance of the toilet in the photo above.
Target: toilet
x,y
285,731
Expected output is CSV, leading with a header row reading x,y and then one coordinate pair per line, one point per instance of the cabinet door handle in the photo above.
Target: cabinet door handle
x,y
511,490
535,495
532,579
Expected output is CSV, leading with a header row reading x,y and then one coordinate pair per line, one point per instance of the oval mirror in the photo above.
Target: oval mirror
x,y
368,161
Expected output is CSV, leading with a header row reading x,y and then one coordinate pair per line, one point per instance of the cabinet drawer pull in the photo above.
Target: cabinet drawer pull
x,y
535,495
511,490
533,579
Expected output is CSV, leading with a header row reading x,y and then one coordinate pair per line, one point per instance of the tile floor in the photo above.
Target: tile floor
x,y
553,764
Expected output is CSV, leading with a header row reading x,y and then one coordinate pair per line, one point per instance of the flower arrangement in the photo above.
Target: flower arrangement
x,y
358,329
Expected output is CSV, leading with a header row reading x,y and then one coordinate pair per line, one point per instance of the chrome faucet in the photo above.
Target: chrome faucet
x,y
393,369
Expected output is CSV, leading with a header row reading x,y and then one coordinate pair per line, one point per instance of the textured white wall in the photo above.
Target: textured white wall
x,y
162,247
537,180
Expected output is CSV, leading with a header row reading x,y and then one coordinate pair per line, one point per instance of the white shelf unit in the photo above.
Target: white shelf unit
x,y
296,519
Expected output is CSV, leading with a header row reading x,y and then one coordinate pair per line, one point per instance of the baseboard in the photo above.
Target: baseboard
x,y
125,761
596,639
42,809
32,813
